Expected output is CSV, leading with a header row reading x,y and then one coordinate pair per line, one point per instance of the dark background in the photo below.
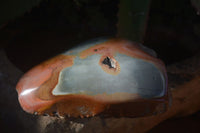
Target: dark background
x,y
54,26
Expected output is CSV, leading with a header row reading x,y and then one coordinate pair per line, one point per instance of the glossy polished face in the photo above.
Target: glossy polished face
x,y
134,76
93,77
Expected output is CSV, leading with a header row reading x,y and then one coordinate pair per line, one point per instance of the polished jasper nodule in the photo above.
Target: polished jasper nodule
x,y
113,77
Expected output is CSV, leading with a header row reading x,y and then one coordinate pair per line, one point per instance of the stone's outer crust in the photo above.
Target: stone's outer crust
x,y
35,87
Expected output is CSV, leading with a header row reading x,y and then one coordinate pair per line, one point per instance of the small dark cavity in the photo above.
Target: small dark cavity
x,y
55,114
95,50
45,114
109,62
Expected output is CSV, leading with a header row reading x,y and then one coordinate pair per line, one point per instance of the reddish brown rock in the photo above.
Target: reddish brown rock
x,y
112,77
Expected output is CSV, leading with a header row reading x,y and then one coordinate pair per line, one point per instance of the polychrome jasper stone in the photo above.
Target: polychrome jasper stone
x,y
114,77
